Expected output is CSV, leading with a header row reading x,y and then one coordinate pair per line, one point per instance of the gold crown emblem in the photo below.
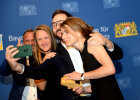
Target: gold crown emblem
x,y
125,29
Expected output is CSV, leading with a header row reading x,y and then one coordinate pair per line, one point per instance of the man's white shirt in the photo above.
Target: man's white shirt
x,y
77,62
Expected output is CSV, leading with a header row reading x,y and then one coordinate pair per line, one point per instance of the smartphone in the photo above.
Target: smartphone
x,y
25,50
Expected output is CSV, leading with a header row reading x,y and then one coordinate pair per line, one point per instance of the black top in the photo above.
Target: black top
x,y
58,66
53,69
104,88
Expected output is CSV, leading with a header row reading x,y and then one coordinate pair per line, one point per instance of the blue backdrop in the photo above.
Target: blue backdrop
x,y
118,20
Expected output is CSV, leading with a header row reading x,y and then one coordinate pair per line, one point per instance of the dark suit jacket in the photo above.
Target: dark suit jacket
x,y
18,84
116,54
56,67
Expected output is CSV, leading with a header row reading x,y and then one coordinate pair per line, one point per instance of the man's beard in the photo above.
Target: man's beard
x,y
57,36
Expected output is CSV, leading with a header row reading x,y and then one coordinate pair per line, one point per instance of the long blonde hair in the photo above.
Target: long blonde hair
x,y
38,52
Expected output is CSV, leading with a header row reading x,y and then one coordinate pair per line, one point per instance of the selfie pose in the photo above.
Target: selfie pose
x,y
97,64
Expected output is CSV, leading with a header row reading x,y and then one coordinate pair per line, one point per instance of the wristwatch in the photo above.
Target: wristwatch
x,y
82,78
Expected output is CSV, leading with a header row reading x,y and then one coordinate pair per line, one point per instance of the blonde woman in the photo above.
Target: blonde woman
x,y
45,44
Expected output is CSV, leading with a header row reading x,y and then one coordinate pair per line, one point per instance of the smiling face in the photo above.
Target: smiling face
x,y
57,20
69,36
43,40
28,39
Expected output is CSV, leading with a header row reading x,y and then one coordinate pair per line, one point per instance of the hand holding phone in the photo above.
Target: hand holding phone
x,y
25,50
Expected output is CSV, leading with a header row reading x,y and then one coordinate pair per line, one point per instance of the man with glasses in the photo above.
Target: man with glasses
x,y
74,57
113,49
69,60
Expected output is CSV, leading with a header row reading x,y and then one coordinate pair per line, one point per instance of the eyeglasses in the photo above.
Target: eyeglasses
x,y
55,24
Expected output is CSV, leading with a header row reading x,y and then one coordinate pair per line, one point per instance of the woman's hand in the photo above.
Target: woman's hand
x,y
49,55
74,76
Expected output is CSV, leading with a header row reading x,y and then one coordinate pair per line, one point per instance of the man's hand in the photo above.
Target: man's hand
x,y
98,39
87,90
82,90
10,52
19,42
78,90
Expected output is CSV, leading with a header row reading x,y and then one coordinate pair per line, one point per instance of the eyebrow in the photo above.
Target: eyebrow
x,y
57,21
